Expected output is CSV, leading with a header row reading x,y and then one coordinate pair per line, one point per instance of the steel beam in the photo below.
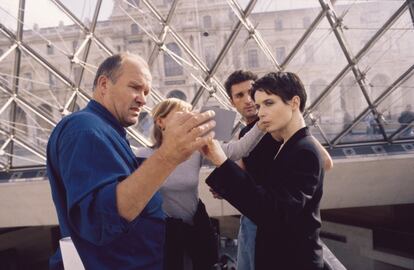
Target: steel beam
x,y
163,33
16,72
303,38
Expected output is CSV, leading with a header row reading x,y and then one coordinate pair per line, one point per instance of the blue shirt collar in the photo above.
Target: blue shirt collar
x,y
101,111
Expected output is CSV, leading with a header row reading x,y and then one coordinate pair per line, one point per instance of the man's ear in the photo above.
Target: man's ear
x,y
295,102
160,122
103,83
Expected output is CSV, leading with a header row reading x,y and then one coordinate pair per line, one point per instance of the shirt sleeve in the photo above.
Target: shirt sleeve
x,y
91,170
238,149
272,204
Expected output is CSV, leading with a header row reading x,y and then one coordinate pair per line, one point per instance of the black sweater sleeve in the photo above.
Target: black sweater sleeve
x,y
281,200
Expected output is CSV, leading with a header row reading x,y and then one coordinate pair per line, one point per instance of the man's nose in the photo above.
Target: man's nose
x,y
248,99
141,98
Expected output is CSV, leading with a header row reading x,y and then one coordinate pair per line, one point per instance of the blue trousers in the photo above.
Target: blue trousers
x,y
246,244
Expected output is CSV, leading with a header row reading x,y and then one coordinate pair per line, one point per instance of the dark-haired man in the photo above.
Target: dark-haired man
x,y
106,200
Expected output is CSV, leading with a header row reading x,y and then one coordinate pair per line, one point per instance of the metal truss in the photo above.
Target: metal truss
x,y
352,65
360,78
209,81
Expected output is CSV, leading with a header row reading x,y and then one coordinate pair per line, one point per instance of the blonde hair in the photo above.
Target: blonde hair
x,y
161,110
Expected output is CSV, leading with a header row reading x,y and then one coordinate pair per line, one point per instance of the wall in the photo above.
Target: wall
x,y
353,182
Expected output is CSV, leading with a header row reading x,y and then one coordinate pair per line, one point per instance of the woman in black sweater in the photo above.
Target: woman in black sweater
x,y
285,207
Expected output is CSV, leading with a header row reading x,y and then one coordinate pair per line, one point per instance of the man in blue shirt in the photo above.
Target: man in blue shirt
x,y
107,201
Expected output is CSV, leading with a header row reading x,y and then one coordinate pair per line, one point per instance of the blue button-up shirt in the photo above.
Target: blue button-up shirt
x,y
87,156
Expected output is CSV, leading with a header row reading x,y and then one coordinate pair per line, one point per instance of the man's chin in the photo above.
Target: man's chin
x,y
130,122
250,115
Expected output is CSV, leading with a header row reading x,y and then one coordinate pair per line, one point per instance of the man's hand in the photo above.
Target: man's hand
x,y
185,133
213,152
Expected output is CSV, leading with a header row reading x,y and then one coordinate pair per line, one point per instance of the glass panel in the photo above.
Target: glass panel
x,y
83,10
143,127
7,64
31,129
41,87
339,108
206,27
96,56
265,5
6,124
3,156
366,130
145,121
397,109
215,98
244,54
127,25
23,157
390,57
175,71
362,19
320,59
234,58
55,37
80,103
9,14
6,85
145,124
38,129
282,23
315,130
164,6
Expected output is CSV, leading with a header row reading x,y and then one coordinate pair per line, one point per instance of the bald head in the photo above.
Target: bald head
x,y
111,67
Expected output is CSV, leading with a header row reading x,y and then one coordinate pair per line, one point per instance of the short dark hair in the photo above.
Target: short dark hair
x,y
110,68
237,77
286,85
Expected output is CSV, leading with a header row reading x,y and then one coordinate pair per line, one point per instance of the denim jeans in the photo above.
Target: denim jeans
x,y
246,244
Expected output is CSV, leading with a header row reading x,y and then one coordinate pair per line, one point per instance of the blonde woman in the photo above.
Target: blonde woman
x,y
188,223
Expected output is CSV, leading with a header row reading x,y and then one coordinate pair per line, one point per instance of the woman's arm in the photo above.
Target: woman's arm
x,y
327,160
236,150
272,204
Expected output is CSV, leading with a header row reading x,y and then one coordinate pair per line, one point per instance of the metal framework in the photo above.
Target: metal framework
x,y
209,82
